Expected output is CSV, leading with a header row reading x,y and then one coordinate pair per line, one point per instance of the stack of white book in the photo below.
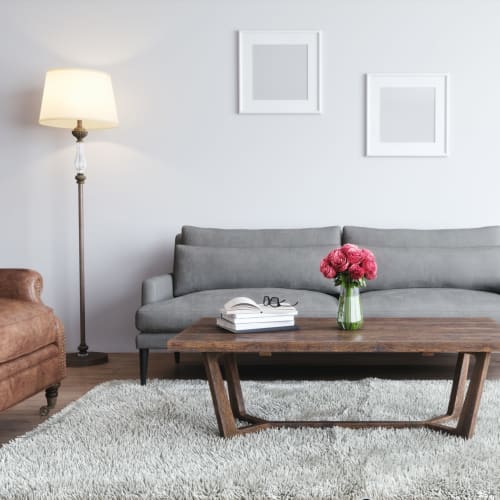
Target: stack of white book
x,y
243,314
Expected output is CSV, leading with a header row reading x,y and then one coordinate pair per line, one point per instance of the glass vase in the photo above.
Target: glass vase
x,y
349,314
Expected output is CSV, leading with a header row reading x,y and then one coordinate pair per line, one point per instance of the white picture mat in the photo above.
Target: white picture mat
x,y
247,40
376,84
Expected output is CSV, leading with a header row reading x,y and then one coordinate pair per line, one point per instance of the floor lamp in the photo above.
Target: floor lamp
x,y
79,99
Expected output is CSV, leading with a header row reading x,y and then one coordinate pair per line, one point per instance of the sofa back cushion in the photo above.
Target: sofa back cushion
x,y
473,268
470,237
199,268
265,238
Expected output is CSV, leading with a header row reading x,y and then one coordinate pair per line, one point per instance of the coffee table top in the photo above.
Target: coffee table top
x,y
322,335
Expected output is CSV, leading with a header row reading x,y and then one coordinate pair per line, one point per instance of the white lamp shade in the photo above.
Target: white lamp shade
x,y
78,94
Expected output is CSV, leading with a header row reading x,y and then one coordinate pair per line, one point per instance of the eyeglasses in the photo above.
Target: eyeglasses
x,y
276,302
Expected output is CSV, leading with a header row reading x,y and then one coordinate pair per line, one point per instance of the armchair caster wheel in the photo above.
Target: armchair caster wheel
x,y
51,395
44,411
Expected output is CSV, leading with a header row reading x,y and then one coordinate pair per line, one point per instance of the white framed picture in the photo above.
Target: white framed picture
x,y
407,114
279,71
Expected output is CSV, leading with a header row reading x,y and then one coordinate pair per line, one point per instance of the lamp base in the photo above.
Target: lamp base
x,y
91,358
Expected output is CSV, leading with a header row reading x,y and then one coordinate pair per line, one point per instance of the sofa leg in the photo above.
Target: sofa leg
x,y
143,364
177,357
51,395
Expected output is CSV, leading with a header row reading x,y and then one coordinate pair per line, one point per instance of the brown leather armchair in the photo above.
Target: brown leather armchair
x,y
32,355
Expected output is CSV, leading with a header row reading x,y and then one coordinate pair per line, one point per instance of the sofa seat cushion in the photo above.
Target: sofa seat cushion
x,y
24,328
175,314
431,302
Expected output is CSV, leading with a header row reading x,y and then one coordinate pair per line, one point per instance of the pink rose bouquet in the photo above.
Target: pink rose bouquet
x,y
349,266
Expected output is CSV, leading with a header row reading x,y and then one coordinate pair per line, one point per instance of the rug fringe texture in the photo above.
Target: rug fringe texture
x,y
160,441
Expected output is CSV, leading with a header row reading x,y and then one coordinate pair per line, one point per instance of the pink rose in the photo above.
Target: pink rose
x,y
353,253
356,272
338,260
350,261
367,254
370,267
327,269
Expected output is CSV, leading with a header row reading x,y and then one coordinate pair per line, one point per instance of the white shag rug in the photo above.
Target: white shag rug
x,y
124,441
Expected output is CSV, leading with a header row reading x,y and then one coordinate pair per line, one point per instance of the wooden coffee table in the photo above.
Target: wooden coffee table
x,y
468,337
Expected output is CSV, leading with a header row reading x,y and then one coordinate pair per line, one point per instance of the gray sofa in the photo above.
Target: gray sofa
x,y
440,272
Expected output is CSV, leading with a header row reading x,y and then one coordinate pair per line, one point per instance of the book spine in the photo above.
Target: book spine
x,y
256,319
254,325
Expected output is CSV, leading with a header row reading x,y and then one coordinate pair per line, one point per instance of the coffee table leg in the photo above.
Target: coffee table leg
x,y
234,385
222,406
468,415
458,387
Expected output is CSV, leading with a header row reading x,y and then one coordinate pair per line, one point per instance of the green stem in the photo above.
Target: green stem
x,y
349,302
349,305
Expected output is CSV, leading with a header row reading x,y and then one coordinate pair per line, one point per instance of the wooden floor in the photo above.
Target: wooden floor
x,y
23,417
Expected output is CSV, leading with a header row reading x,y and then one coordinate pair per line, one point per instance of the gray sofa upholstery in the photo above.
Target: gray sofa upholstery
x,y
445,272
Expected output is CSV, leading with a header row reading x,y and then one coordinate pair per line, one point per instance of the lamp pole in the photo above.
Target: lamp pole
x,y
82,357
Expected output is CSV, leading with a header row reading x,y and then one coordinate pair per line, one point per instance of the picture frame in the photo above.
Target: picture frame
x,y
279,72
407,114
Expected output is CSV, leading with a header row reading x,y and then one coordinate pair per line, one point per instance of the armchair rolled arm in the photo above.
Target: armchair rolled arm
x,y
21,284
157,288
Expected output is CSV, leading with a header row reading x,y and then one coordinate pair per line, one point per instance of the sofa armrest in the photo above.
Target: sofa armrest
x,y
157,288
21,284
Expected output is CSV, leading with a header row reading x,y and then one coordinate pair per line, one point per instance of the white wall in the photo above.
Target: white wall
x,y
182,155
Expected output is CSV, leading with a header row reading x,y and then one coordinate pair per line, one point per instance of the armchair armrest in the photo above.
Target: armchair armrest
x,y
157,288
21,284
